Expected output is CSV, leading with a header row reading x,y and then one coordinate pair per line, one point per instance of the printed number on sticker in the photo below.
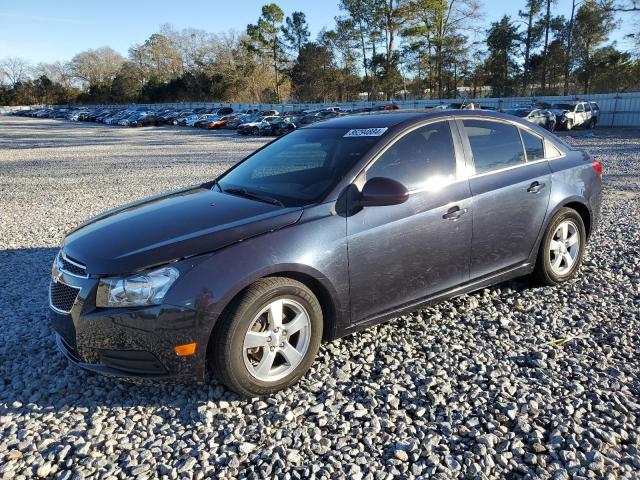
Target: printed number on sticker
x,y
365,132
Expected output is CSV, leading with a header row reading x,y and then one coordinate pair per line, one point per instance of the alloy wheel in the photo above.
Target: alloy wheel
x,y
564,247
277,340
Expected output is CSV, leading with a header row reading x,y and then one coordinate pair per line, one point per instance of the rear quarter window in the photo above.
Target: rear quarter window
x,y
533,146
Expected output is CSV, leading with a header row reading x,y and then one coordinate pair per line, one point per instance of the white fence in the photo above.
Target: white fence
x,y
616,109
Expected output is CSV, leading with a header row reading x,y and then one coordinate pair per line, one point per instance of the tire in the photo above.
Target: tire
x,y
591,124
246,370
548,270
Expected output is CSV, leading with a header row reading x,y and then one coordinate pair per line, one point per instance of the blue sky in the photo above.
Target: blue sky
x,y
46,31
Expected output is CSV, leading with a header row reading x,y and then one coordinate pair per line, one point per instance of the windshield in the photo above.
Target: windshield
x,y
519,112
299,168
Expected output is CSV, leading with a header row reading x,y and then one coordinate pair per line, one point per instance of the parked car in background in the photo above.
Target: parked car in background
x,y
205,119
544,118
457,106
131,117
191,120
146,120
241,119
167,117
251,128
276,126
595,112
570,115
220,122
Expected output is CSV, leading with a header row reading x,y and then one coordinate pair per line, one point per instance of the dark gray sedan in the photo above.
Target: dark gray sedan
x,y
334,227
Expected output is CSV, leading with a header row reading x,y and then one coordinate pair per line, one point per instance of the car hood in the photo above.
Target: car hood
x,y
558,111
169,227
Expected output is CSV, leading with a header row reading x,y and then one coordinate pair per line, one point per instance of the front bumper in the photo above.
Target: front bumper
x,y
126,364
136,343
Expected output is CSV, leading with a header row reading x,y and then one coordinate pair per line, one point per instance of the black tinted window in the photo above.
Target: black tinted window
x,y
494,145
423,155
533,145
299,168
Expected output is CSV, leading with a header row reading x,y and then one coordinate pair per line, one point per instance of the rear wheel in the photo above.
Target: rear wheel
x,y
562,248
268,339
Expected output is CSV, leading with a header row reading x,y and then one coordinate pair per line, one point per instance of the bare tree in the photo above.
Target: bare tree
x,y
97,67
57,72
15,70
623,6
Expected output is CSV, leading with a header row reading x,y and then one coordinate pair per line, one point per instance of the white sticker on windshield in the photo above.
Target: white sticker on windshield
x,y
365,132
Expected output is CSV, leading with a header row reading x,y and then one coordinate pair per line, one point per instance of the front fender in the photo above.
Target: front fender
x,y
315,247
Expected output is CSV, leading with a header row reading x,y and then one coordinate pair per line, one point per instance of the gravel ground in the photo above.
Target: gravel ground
x,y
511,381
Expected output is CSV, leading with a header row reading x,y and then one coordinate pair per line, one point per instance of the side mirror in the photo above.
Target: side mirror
x,y
380,191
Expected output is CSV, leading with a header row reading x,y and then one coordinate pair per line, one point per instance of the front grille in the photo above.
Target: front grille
x,y
62,296
71,266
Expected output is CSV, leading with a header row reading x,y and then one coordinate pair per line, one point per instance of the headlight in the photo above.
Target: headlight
x,y
144,289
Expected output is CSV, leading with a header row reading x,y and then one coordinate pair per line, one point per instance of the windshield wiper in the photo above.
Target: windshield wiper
x,y
253,196
216,184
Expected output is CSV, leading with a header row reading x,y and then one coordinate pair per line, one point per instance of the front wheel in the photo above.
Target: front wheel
x,y
268,338
562,248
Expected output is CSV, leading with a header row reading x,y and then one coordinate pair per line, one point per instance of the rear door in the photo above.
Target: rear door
x,y
510,184
401,254
580,115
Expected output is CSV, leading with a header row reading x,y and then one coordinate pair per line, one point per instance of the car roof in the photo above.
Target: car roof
x,y
403,119
370,120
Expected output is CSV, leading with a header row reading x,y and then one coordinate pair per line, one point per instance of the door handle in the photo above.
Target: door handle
x,y
454,213
535,187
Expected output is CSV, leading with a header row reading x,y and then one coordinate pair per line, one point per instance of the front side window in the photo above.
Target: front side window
x,y
533,145
299,168
494,145
422,158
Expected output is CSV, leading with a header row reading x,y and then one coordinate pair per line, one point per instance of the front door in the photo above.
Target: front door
x,y
510,189
401,254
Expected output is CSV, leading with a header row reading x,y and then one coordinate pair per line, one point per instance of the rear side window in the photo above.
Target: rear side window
x,y
494,145
552,151
419,157
533,145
